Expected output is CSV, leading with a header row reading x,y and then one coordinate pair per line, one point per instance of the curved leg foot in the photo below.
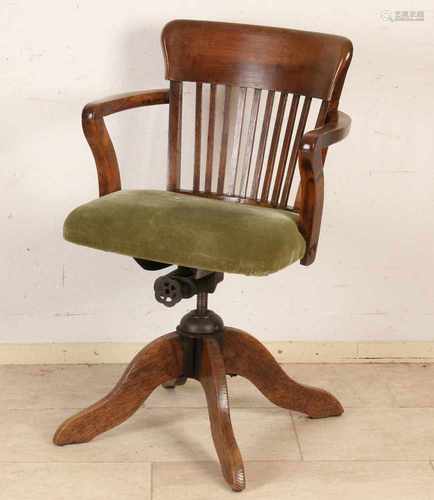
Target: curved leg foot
x,y
157,363
212,376
174,382
246,356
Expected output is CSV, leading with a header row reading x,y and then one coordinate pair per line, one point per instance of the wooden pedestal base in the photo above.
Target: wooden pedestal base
x,y
162,363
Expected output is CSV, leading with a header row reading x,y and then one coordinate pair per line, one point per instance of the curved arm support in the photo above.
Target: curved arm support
x,y
311,160
97,135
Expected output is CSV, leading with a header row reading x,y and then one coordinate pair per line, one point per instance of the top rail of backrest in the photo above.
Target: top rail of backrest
x,y
299,62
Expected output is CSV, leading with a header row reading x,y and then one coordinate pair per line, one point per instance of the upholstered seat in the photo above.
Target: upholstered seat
x,y
188,230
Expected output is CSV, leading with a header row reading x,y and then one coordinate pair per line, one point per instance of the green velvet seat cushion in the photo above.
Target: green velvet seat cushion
x,y
187,230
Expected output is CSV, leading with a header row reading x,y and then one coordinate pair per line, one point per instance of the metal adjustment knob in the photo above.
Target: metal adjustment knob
x,y
167,291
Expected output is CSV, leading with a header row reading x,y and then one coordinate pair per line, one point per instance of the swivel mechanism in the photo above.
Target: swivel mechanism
x,y
183,283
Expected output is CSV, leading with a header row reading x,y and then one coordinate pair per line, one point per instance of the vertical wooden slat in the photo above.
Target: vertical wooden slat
x,y
175,126
197,137
285,149
250,141
294,152
273,146
238,134
262,144
224,141
322,114
210,140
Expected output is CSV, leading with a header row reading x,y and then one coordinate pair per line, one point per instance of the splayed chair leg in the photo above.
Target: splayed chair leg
x,y
246,356
165,362
154,365
212,376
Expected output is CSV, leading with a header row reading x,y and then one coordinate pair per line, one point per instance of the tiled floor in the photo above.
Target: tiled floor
x,y
381,448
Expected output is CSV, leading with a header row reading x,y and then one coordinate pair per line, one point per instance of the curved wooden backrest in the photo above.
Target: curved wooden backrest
x,y
266,65
300,62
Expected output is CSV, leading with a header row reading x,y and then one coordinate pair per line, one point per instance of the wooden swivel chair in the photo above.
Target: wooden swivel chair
x,y
234,215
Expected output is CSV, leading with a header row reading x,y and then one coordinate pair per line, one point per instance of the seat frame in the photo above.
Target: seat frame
x,y
203,348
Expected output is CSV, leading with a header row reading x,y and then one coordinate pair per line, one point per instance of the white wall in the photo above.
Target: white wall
x,y
374,274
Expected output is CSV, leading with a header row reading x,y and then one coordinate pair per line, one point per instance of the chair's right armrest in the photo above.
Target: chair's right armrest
x,y
121,102
99,139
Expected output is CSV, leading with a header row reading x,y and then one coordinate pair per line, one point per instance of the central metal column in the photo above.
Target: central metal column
x,y
194,326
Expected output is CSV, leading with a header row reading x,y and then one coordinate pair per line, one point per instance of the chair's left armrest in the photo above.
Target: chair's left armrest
x,y
311,160
99,139
334,130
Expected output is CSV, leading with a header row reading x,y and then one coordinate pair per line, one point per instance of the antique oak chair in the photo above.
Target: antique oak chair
x,y
234,215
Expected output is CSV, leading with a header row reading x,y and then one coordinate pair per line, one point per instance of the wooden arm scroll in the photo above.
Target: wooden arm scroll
x,y
311,160
97,135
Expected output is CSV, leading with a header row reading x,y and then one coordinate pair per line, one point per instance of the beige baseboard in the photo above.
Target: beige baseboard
x,y
285,352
